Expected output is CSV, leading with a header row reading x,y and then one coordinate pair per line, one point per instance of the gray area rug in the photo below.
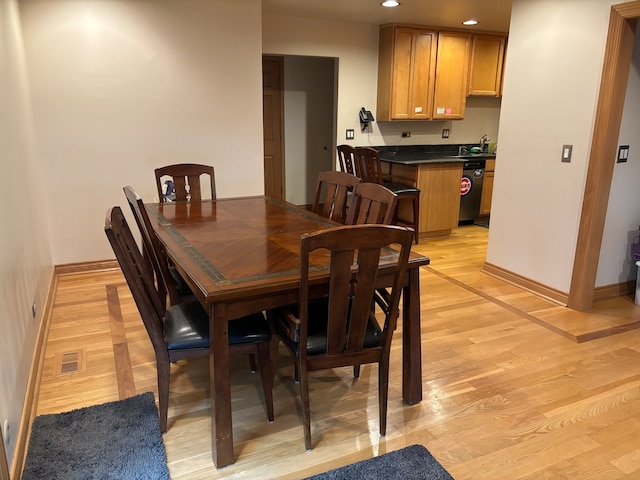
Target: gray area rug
x,y
115,440
410,463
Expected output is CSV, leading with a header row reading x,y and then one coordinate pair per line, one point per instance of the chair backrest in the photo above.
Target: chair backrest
x,y
371,203
336,186
355,253
186,181
369,165
347,159
152,250
139,278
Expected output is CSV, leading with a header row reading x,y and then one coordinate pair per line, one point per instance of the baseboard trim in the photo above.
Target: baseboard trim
x,y
86,267
615,290
532,286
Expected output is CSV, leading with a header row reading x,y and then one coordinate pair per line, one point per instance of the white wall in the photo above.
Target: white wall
x,y
552,78
356,47
120,88
25,263
617,264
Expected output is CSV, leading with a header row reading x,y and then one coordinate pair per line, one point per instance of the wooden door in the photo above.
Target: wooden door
x,y
423,67
273,120
487,187
406,71
451,75
485,75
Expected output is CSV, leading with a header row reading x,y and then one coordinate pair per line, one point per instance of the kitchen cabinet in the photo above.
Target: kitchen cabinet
x,y
422,73
406,73
452,67
439,185
487,187
486,63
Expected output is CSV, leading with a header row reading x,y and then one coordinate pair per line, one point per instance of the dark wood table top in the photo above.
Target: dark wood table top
x,y
229,246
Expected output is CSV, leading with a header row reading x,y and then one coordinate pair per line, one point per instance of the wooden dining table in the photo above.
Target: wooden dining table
x,y
241,256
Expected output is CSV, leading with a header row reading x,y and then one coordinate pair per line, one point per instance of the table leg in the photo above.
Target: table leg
x,y
220,389
411,339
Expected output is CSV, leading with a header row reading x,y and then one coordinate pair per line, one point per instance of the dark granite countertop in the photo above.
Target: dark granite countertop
x,y
424,154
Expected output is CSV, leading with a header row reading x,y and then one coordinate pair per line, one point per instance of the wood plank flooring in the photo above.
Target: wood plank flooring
x,y
515,386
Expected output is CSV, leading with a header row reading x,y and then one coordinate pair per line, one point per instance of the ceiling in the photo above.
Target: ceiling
x,y
493,15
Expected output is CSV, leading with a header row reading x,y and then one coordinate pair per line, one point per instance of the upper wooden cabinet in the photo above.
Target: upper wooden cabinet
x,y
487,59
406,72
422,73
452,70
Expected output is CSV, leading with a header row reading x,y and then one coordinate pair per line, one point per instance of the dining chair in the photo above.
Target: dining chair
x,y
370,170
337,186
347,159
340,329
174,285
186,181
371,203
168,282
182,330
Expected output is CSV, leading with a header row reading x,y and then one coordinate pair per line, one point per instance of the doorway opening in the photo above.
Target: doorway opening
x,y
307,118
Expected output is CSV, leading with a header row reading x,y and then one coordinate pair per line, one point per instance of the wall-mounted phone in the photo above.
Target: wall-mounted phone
x,y
366,117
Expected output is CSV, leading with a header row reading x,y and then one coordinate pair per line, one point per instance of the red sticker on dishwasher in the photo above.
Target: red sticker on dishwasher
x,y
465,186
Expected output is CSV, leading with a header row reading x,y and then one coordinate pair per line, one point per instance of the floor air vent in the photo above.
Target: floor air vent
x,y
70,362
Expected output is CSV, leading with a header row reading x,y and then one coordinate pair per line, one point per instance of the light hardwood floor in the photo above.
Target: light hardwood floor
x,y
515,386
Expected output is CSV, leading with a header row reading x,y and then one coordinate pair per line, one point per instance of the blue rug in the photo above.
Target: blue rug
x,y
115,440
410,463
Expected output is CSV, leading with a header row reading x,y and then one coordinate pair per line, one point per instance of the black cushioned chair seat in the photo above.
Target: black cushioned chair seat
x,y
187,326
316,333
401,188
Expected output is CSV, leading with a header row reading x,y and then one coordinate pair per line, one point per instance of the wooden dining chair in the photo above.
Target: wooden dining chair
x,y
174,285
182,330
337,186
347,159
371,203
370,170
167,282
340,329
186,181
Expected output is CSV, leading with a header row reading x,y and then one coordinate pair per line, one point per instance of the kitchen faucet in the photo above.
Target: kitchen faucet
x,y
483,141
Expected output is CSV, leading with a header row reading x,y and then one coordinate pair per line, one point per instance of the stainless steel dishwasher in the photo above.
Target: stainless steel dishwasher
x,y
471,189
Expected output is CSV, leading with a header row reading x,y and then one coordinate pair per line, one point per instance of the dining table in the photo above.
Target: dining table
x,y
241,256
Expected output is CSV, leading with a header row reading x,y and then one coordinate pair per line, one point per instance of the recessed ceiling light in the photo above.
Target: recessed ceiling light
x,y
470,22
390,3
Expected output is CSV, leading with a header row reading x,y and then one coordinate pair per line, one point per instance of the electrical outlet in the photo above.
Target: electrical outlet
x,y
445,133
350,134
406,134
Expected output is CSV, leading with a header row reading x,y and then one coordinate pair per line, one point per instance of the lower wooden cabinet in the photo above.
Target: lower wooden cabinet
x,y
487,187
439,185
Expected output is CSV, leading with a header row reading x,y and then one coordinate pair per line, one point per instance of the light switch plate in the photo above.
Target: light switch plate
x,y
623,153
566,153
350,134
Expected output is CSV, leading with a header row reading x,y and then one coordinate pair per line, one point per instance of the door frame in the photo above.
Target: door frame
x,y
280,173
606,131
